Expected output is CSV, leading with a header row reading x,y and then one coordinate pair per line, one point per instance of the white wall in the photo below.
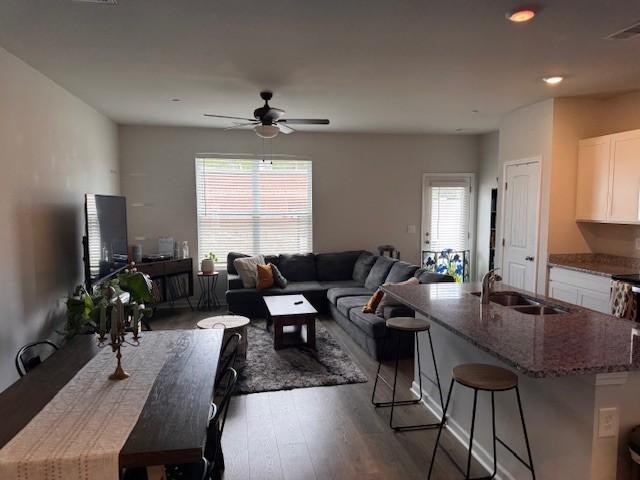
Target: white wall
x,y
366,187
526,133
53,149
488,172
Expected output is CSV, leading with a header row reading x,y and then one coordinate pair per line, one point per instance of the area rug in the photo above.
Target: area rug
x,y
267,369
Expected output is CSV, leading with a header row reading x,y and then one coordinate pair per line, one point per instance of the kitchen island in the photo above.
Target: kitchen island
x,y
570,364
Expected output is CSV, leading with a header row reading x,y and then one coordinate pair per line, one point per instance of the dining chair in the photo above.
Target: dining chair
x,y
212,464
27,360
228,356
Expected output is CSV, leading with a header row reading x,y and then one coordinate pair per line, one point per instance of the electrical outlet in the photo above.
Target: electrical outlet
x,y
638,243
412,229
608,422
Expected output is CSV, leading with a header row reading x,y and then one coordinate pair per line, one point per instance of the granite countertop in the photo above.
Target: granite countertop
x,y
596,263
577,343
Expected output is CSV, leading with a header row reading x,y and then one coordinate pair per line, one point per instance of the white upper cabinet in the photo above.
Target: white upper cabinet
x,y
625,178
608,183
593,179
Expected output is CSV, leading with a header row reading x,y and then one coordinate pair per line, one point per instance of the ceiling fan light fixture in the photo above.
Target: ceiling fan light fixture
x,y
267,131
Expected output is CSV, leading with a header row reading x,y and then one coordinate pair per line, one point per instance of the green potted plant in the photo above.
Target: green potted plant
x,y
83,308
208,263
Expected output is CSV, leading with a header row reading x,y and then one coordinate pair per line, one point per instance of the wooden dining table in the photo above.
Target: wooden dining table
x,y
172,425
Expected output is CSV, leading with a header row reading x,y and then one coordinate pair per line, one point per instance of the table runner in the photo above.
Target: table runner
x,y
80,432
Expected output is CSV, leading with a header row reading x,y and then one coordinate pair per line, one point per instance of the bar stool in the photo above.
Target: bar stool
x,y
413,326
487,378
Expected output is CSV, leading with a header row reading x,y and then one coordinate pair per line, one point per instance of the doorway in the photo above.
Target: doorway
x,y
520,222
447,224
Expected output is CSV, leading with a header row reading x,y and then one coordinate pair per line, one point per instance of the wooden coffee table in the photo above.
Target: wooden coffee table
x,y
294,321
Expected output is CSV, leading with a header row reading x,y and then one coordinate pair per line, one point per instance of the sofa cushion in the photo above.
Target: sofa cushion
x,y
299,267
373,325
252,295
379,272
337,265
234,281
401,271
333,294
429,277
363,265
345,304
341,284
265,277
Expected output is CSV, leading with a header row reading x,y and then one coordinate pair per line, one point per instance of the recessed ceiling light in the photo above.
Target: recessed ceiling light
x,y
521,15
176,100
459,129
552,80
474,111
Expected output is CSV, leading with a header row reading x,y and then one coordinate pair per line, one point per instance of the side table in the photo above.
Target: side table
x,y
208,297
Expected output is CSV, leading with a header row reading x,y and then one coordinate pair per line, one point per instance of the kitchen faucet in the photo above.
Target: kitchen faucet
x,y
487,285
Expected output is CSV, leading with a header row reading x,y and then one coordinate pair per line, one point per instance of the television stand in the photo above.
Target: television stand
x,y
172,280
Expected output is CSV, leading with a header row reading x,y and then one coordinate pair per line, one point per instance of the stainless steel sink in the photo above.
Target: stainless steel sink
x,y
508,299
540,310
523,304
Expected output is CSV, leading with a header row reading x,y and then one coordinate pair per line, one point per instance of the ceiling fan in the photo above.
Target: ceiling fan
x,y
268,121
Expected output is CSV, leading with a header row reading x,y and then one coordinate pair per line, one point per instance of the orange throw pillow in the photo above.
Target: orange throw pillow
x,y
265,276
373,302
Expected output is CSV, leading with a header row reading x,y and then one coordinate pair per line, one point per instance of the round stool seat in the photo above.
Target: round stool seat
x,y
223,321
481,376
408,324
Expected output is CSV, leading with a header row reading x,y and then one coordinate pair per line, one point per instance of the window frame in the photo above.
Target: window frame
x,y
221,264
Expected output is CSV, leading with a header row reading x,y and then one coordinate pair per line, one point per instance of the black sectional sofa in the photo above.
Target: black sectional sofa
x,y
337,283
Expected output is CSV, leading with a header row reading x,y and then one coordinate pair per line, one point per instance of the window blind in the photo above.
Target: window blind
x,y
449,215
253,206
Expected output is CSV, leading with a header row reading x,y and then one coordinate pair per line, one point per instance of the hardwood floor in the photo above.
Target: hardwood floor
x,y
327,432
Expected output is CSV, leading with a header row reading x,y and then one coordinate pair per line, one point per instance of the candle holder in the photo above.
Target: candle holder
x,y
121,324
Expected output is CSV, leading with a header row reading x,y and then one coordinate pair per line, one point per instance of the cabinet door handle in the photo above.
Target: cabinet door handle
x,y
529,258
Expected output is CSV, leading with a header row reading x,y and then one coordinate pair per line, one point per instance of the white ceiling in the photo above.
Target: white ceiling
x,y
369,65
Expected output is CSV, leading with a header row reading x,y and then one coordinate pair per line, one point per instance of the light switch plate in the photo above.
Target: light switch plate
x,y
412,229
638,243
608,422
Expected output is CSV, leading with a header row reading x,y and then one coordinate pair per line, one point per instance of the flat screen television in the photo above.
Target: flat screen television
x,y
105,242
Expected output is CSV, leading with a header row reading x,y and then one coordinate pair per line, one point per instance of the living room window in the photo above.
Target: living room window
x,y
253,206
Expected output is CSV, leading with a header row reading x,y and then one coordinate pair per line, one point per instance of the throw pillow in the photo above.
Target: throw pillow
x,y
247,270
278,278
373,302
265,276
389,300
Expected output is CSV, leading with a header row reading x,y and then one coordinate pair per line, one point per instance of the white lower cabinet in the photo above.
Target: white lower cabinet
x,y
584,289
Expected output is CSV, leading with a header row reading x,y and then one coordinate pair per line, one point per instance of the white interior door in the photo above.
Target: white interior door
x,y
520,232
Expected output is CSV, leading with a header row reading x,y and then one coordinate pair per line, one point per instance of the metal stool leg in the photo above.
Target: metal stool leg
x,y
435,367
493,425
473,424
375,384
442,423
395,380
526,437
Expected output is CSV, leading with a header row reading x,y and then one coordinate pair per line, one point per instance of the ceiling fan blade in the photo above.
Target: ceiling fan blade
x,y
237,125
285,128
305,121
232,118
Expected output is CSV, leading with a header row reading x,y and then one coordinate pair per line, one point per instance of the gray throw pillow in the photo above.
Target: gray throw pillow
x,y
278,278
363,266
379,272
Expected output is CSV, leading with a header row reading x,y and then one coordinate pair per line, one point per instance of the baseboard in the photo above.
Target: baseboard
x,y
482,455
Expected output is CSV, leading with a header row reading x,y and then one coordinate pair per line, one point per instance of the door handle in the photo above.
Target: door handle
x,y
529,258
